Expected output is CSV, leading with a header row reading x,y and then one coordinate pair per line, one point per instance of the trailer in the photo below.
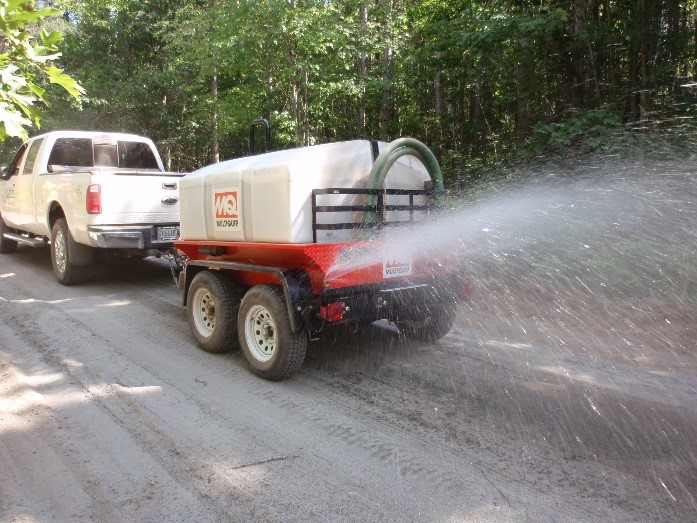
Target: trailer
x,y
270,298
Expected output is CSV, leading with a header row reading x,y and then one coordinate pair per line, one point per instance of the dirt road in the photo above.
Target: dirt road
x,y
109,412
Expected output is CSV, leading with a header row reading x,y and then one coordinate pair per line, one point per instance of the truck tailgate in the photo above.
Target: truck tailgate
x,y
130,198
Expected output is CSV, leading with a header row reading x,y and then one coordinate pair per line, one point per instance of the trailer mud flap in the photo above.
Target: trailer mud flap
x,y
301,305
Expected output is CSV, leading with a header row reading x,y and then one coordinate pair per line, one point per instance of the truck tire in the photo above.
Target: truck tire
x,y
432,328
212,305
271,347
67,273
6,246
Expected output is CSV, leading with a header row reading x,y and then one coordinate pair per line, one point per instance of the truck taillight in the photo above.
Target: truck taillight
x,y
94,199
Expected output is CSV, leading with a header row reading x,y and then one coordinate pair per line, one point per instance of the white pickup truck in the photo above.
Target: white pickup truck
x,y
83,191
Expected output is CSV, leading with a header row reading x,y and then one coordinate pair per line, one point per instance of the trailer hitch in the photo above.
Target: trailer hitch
x,y
177,262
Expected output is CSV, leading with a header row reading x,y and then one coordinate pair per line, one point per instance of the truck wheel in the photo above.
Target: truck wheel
x,y
6,246
438,324
212,306
67,273
271,347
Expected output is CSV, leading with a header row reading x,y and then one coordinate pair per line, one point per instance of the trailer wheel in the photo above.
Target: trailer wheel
x,y
6,246
212,308
66,273
438,324
273,350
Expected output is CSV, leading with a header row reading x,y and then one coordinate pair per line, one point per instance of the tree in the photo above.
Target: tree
x,y
477,80
26,64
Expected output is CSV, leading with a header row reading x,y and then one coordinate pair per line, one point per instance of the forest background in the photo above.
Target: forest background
x,y
481,82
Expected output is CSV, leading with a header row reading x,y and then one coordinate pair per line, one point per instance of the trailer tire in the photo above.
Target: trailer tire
x,y
438,323
212,305
271,347
67,273
6,246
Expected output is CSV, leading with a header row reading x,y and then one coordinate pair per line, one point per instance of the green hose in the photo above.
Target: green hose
x,y
387,158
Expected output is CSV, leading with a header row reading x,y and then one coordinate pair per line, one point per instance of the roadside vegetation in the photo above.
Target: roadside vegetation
x,y
28,54
482,83
498,90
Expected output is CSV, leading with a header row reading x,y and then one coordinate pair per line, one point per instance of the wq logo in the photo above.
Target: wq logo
x,y
226,209
226,204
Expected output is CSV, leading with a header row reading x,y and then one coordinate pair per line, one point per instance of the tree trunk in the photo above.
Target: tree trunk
x,y
634,56
215,155
306,111
523,85
475,120
577,62
387,111
295,109
673,28
438,108
295,101
644,56
166,148
362,66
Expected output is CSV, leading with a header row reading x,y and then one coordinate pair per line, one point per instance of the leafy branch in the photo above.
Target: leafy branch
x,y
25,63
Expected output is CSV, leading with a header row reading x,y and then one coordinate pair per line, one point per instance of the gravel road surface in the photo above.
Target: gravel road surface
x,y
109,412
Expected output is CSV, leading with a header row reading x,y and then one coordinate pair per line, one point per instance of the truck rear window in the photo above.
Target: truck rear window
x,y
85,152
136,155
73,152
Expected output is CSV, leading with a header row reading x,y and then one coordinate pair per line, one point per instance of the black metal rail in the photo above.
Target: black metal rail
x,y
378,209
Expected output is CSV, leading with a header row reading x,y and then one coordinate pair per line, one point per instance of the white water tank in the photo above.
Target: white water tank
x,y
268,198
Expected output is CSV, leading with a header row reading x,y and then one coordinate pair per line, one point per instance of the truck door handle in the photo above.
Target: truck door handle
x,y
170,186
170,201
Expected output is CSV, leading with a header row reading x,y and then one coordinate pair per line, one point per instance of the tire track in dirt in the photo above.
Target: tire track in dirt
x,y
67,443
149,431
133,418
453,417
141,424
354,435
420,471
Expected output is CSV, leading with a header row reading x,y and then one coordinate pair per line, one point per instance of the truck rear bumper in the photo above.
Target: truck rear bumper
x,y
130,237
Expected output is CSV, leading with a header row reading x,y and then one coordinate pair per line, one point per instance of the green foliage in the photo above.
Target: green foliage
x,y
591,130
480,82
26,65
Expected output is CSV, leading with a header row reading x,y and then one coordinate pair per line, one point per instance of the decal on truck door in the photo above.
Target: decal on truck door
x,y
226,209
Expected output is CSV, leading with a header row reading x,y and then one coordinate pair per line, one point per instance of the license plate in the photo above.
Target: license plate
x,y
167,233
